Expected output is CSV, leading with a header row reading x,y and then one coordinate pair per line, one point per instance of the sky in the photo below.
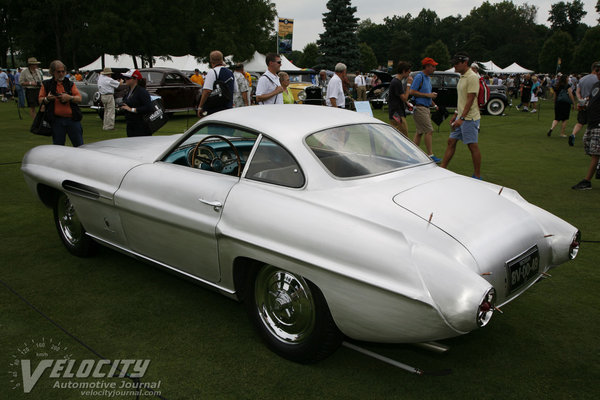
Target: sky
x,y
308,14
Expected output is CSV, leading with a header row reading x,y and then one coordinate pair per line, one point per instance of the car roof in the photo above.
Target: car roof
x,y
287,123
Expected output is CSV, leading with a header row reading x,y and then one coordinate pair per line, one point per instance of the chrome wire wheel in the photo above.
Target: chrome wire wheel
x,y
69,225
285,305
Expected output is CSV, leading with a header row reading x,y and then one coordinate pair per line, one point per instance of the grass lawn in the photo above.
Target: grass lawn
x,y
201,345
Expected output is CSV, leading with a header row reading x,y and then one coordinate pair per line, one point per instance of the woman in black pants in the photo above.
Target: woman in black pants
x,y
136,103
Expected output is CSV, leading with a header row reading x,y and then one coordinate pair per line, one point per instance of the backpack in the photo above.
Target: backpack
x,y
484,93
221,95
563,96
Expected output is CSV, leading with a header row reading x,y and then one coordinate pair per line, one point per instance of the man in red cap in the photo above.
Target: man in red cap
x,y
422,91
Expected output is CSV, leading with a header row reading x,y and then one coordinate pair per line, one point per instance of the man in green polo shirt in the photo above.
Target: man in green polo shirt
x,y
465,123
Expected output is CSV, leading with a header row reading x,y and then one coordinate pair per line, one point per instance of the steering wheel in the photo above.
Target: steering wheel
x,y
200,156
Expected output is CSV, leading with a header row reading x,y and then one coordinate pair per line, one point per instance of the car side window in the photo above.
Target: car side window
x,y
173,79
436,81
451,81
153,77
272,163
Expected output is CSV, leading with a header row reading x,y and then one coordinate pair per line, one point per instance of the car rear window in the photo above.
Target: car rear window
x,y
354,151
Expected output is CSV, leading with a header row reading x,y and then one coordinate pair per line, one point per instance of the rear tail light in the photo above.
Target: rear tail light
x,y
574,248
486,308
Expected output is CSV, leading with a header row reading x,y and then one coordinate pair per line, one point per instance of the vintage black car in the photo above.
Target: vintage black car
x,y
444,84
177,91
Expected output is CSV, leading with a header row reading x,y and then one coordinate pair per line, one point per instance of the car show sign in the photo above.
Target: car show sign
x,y
284,37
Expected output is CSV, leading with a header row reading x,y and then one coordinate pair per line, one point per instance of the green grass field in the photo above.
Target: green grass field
x,y
201,345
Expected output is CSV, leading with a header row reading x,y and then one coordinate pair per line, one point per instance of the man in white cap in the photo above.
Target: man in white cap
x,y
106,88
31,80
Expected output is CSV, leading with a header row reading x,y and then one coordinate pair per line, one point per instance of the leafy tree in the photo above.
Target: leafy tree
x,y
503,32
368,61
566,16
587,50
439,52
310,54
295,56
78,32
559,45
372,34
339,42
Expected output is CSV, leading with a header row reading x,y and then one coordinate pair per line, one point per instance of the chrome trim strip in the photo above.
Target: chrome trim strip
x,y
121,248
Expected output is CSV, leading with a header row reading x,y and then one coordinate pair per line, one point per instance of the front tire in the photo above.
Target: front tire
x,y
291,315
70,230
495,107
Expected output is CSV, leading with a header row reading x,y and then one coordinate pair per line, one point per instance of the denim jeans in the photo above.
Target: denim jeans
x,y
61,127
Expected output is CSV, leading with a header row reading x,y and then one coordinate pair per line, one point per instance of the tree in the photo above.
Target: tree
x,y
295,57
77,32
371,34
368,61
587,50
339,42
310,54
559,45
439,52
566,16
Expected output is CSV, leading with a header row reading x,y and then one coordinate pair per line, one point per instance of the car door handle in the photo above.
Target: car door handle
x,y
214,204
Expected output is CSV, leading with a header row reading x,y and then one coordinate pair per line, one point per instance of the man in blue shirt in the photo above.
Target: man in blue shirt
x,y
422,90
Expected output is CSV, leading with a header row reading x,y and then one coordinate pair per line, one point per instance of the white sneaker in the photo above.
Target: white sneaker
x,y
533,111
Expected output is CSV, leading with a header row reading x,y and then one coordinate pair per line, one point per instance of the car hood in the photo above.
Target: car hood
x,y
144,148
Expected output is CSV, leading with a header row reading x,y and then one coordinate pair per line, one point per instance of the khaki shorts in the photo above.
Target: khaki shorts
x,y
422,118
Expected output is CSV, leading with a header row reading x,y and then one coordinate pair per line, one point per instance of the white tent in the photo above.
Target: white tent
x,y
119,61
258,64
490,67
186,63
286,65
515,68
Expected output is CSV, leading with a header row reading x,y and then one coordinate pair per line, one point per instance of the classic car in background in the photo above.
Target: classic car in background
x,y
325,222
177,91
300,80
444,84
88,87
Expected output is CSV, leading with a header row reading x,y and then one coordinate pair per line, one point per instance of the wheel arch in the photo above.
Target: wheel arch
x,y
47,194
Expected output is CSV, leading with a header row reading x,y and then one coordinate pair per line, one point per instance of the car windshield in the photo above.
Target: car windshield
x,y
300,78
354,151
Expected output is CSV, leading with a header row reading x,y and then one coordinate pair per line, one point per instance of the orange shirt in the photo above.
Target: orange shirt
x,y
61,109
199,79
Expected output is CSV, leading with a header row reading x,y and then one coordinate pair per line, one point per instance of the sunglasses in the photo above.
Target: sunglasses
x,y
60,71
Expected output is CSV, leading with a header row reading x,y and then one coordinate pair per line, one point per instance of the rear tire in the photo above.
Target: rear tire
x,y
291,315
70,230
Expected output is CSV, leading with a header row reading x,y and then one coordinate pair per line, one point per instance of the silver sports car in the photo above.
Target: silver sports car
x,y
325,222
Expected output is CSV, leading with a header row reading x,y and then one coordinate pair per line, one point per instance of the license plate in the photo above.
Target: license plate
x,y
523,268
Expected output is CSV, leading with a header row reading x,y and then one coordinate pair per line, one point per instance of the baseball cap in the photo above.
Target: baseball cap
x,y
460,57
133,73
428,60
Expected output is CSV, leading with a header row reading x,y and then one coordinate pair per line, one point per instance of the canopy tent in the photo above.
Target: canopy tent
x,y
186,63
119,61
258,64
490,67
515,68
